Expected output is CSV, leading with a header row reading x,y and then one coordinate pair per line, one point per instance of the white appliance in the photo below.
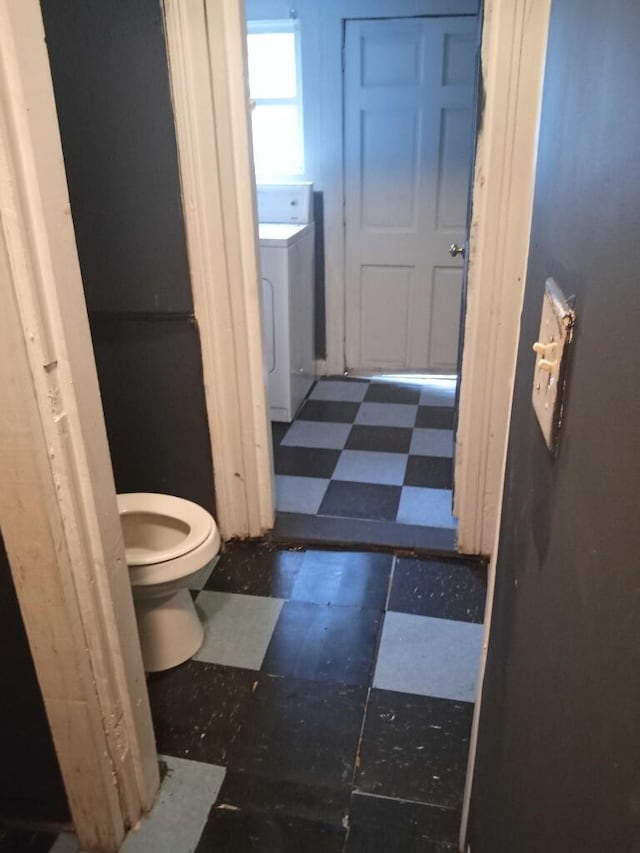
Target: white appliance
x,y
286,231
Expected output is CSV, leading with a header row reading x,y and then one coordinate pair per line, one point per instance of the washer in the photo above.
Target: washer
x,y
286,259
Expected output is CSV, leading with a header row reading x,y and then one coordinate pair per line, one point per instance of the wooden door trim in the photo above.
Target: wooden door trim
x,y
58,506
206,49
513,52
513,58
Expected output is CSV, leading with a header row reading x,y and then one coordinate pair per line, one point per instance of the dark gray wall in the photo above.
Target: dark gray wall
x,y
558,762
110,76
30,783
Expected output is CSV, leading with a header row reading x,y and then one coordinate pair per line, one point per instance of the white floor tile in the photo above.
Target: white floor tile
x,y
427,507
367,466
429,657
317,434
178,817
432,442
346,392
387,414
238,628
440,392
300,494
176,821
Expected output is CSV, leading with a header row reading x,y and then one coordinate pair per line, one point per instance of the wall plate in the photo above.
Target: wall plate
x,y
556,330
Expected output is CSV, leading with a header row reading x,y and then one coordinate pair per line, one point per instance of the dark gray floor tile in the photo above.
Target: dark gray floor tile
x,y
247,831
443,589
324,643
433,472
327,410
415,748
252,568
381,825
361,500
278,431
340,378
435,417
305,461
348,578
390,392
258,793
307,529
301,731
198,708
379,438
15,840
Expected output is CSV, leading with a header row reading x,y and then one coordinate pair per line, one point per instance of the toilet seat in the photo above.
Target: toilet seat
x,y
194,525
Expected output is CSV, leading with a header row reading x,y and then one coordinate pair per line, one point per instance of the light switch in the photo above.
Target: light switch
x,y
556,329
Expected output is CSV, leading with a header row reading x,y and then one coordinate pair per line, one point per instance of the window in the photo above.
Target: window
x,y
275,90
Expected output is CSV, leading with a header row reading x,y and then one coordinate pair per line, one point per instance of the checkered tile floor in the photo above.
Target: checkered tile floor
x,y
373,452
328,710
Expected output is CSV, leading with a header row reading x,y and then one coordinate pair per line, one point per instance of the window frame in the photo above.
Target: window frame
x,y
285,25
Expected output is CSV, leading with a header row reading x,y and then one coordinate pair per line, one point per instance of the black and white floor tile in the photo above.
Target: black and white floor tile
x,y
329,709
369,461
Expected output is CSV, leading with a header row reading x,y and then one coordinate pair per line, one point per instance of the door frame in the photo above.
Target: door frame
x,y
514,39
205,43
516,139
206,48
58,509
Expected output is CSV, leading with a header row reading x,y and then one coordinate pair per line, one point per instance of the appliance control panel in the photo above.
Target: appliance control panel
x,y
292,203
551,349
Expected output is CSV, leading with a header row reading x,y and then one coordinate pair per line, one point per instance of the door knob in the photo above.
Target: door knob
x,y
455,250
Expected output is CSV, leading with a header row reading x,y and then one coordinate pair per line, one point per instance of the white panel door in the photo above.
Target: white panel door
x,y
408,100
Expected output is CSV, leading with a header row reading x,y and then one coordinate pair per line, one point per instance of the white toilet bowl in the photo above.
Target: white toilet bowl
x,y
167,541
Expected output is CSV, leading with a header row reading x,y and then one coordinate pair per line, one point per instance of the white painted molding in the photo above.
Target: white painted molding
x,y
206,47
532,26
513,54
58,506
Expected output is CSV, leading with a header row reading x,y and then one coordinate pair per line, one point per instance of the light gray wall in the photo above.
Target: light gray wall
x,y
558,762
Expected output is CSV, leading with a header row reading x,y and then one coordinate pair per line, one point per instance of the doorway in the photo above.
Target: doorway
x,y
369,457
207,62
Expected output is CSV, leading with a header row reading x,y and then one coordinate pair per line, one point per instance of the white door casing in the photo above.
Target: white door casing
x,y
513,52
58,508
513,59
408,102
206,45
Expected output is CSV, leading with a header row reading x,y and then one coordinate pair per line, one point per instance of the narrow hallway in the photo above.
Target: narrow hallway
x,y
328,710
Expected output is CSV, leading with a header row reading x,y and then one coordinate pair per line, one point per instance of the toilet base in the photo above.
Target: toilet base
x,y
170,629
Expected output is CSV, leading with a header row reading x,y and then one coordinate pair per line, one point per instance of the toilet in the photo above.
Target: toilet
x,y
167,541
